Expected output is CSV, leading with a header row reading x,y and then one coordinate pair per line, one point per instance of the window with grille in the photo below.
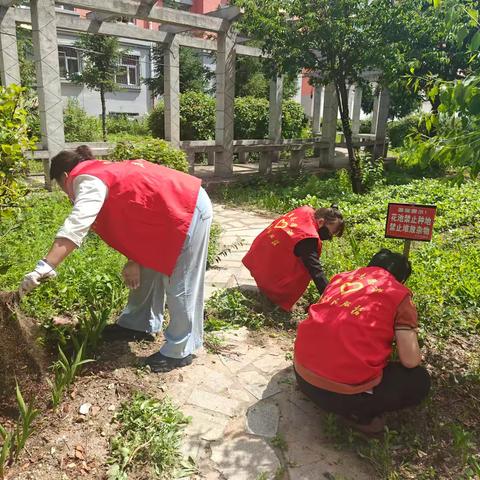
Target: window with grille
x,y
69,60
128,71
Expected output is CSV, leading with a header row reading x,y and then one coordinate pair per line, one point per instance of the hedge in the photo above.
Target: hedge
x,y
197,118
153,150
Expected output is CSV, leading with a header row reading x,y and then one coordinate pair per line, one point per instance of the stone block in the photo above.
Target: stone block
x,y
214,402
262,419
245,458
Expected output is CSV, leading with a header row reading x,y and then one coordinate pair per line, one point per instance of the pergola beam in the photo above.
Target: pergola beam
x,y
130,8
118,29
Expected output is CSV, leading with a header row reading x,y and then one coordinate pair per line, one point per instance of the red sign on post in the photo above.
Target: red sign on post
x,y
410,221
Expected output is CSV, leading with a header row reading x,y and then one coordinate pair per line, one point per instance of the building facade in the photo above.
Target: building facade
x,y
133,97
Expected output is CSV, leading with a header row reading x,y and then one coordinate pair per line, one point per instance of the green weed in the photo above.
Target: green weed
x,y
279,441
15,439
65,371
149,438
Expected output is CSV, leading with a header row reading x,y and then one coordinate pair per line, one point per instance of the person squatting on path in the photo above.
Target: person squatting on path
x,y
160,220
342,349
285,256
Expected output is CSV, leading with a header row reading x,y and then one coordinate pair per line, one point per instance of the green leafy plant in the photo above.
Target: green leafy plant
x,y
79,126
65,371
15,439
230,307
153,150
15,143
149,438
123,124
197,118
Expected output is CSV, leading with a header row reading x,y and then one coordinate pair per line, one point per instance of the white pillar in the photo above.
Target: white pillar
x,y
9,66
225,77
381,123
317,105
172,91
329,128
356,110
50,104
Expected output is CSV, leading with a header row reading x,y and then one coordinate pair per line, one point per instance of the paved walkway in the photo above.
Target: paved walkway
x,y
239,228
249,422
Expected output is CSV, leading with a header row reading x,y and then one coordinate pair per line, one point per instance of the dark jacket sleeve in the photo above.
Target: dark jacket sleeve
x,y
307,251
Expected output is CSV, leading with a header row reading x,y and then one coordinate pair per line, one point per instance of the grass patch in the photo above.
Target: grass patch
x,y
148,440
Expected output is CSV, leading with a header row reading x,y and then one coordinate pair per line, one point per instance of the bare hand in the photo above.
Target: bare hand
x,y
131,274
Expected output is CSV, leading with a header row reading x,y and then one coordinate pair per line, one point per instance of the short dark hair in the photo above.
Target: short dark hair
x,y
85,152
395,263
331,214
64,162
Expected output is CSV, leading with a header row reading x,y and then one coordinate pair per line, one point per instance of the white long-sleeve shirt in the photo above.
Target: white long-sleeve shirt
x,y
89,193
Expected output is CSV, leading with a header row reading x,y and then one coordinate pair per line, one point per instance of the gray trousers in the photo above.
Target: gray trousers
x,y
184,291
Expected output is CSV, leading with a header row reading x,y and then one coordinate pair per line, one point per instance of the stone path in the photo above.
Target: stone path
x,y
239,228
249,422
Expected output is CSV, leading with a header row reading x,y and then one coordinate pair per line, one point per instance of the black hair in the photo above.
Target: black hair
x,y
66,161
331,214
395,263
85,152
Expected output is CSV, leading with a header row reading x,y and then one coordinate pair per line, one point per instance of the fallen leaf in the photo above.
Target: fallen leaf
x,y
95,410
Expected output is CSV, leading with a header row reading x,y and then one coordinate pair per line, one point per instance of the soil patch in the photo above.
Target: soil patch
x,y
22,359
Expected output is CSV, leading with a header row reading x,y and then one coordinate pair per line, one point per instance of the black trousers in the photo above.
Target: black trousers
x,y
400,388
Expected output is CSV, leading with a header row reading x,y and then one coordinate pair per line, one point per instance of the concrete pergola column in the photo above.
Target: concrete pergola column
x,y
329,127
225,78
45,49
356,110
381,120
171,94
317,105
9,66
275,113
374,111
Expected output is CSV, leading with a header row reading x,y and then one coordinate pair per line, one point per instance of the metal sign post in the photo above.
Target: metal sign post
x,y
409,221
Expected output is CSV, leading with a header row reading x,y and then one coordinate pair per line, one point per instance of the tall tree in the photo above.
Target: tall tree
x,y
340,39
252,79
101,57
194,75
432,41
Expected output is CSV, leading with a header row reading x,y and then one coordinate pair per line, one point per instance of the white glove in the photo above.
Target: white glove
x,y
43,271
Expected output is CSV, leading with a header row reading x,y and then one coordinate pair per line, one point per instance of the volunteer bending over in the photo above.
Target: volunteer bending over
x,y
343,349
285,256
160,220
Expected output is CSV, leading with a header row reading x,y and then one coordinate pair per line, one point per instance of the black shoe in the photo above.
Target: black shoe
x,y
115,332
160,363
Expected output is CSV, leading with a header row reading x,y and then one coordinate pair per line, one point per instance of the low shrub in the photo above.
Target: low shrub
x,y
399,130
79,126
125,124
197,118
14,144
153,150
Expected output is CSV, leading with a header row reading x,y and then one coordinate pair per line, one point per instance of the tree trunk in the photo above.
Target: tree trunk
x,y
104,115
355,177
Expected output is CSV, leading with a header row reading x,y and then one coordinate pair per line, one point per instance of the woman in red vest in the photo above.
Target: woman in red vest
x,y
285,256
160,220
343,349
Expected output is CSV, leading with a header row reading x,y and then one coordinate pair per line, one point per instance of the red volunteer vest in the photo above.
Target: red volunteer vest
x,y
348,335
280,274
148,210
